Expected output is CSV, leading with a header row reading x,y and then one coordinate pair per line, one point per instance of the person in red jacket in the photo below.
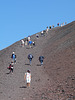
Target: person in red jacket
x,y
11,67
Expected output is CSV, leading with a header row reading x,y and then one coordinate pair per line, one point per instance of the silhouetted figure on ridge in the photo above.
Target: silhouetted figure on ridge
x,y
57,24
50,27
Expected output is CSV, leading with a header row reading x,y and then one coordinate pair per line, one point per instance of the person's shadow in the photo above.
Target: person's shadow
x,y
8,73
23,87
38,64
27,64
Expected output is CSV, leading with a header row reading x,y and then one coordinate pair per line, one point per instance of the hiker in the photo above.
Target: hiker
x,y
28,38
13,56
33,43
37,35
42,33
61,24
25,39
41,58
27,77
50,27
22,43
30,57
65,23
11,67
30,43
26,42
57,24
47,30
47,27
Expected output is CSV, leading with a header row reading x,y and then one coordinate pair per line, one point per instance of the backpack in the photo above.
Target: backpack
x,y
9,66
30,56
41,58
13,56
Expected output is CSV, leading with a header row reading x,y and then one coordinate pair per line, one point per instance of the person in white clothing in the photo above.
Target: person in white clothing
x,y
22,43
29,38
27,77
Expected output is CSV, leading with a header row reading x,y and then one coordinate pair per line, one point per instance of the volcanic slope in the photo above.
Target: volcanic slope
x,y
55,80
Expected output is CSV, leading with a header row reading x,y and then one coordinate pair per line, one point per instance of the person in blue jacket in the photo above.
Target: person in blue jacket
x,y
30,43
13,56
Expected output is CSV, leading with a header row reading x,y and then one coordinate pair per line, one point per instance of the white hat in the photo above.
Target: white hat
x,y
13,52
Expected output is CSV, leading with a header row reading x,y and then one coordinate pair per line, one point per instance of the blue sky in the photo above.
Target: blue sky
x,y
20,18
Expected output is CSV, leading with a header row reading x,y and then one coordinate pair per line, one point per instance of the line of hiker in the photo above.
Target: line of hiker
x,y
26,41
52,26
27,76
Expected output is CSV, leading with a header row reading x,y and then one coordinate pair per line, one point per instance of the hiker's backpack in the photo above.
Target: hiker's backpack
x,y
13,56
9,67
41,58
30,56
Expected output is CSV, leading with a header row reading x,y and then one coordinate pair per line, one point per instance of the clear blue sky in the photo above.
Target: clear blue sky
x,y
20,18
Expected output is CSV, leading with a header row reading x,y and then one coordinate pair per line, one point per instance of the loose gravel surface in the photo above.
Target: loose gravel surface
x,y
55,80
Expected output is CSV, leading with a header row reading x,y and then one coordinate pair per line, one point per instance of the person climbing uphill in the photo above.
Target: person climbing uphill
x,y
22,43
28,38
42,33
11,67
13,56
33,43
50,27
27,78
30,57
37,36
47,30
41,58
30,43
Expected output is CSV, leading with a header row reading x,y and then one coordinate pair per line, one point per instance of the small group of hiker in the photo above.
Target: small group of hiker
x,y
27,41
30,57
27,75
11,65
61,24
58,24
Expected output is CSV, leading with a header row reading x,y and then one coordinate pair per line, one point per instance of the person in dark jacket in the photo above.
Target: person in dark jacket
x,y
41,58
11,67
33,43
30,57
